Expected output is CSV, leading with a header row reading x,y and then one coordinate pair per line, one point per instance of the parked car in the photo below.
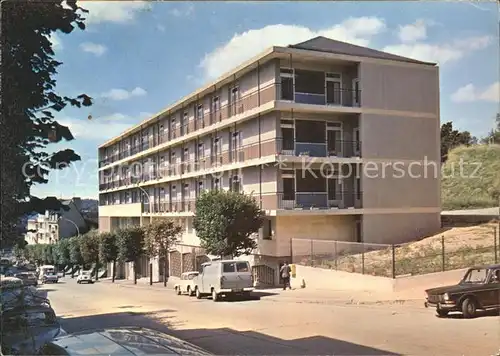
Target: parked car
x,y
26,329
224,278
120,341
186,283
84,277
28,278
50,277
478,289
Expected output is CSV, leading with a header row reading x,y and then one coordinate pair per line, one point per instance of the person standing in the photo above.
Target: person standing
x,y
285,275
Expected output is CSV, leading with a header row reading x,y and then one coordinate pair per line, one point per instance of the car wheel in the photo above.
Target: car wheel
x,y
215,296
77,282
469,308
191,292
198,294
442,312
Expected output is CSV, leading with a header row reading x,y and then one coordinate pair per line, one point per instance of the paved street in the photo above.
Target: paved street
x,y
273,326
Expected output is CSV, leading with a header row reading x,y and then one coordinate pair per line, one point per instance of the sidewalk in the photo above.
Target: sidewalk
x,y
311,296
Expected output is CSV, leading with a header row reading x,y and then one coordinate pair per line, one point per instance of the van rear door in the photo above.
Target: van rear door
x,y
236,276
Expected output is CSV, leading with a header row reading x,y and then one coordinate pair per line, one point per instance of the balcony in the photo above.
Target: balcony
x,y
311,200
337,148
173,206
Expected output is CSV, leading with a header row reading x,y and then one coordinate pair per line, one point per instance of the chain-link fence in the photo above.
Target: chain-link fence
x,y
436,254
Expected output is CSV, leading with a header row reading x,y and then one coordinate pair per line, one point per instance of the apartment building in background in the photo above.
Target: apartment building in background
x,y
318,132
50,227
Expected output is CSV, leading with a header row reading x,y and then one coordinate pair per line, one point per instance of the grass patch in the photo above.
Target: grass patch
x,y
471,178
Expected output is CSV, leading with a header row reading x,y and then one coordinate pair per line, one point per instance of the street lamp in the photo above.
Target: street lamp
x,y
149,204
71,221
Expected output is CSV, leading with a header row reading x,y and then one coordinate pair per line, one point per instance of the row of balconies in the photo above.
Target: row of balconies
x,y
270,201
149,171
346,97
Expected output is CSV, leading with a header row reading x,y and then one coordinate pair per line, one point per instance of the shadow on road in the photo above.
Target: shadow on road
x,y
221,341
479,314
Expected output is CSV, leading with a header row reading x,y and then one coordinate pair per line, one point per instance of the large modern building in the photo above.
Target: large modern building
x,y
334,141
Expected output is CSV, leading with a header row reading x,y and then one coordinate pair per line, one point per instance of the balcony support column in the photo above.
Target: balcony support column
x,y
258,83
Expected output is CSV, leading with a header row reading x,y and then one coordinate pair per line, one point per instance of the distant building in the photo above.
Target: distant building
x,y
52,226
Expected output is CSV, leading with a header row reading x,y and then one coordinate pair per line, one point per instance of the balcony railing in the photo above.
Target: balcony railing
x,y
346,97
311,200
338,148
240,154
271,201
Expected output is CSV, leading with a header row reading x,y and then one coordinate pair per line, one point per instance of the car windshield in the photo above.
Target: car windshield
x,y
476,276
50,274
85,273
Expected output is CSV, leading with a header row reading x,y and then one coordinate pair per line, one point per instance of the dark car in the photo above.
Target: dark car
x,y
120,341
28,278
478,289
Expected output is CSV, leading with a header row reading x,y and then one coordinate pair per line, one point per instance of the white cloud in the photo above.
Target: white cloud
x,y
440,52
160,28
182,12
245,45
413,32
145,115
94,48
56,42
470,93
99,128
112,11
122,94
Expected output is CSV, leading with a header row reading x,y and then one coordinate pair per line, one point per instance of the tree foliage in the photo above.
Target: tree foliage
x,y
108,249
75,252
130,243
63,252
89,246
30,106
160,236
225,222
493,136
451,138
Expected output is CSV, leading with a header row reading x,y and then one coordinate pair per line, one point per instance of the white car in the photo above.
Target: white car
x,y
50,277
186,284
84,277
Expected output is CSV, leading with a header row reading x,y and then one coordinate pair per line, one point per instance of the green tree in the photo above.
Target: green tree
x,y
48,256
75,253
130,242
225,222
30,105
159,237
63,252
451,138
108,250
89,247
494,136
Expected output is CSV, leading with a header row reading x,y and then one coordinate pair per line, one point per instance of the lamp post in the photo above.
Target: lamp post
x,y
71,221
149,204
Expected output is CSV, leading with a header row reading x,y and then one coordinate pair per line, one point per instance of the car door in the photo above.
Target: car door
x,y
492,289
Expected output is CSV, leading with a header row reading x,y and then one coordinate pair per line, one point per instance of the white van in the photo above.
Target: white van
x,y
43,270
224,278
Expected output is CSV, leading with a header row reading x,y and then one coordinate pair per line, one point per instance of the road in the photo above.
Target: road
x,y
275,327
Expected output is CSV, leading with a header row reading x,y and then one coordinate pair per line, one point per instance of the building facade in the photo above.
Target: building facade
x,y
52,226
334,141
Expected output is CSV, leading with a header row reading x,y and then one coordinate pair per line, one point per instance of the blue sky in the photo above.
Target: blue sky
x,y
136,58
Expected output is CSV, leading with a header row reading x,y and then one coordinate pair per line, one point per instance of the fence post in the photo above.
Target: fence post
x,y
495,243
443,267
393,261
312,254
336,255
363,259
150,274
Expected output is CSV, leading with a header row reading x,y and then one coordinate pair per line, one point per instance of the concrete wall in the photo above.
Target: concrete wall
x,y
398,228
406,287
387,87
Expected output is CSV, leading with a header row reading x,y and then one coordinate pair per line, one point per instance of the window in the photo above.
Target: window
x,y
216,184
229,267
215,104
200,188
358,188
288,188
242,267
310,181
217,145
332,189
310,82
310,131
235,95
287,79
199,112
288,138
234,184
201,150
